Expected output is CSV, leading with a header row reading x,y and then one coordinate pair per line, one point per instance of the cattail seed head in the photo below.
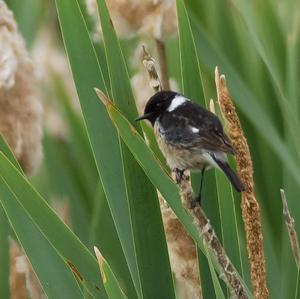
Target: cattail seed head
x,y
250,207
20,110
155,18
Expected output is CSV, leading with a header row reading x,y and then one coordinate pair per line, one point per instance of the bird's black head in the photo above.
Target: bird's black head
x,y
157,105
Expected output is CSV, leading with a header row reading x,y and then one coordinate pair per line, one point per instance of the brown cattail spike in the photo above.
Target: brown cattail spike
x,y
250,207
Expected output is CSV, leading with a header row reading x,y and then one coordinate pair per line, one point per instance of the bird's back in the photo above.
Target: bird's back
x,y
192,126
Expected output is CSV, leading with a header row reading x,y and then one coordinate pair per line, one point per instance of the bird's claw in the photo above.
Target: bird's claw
x,y
178,175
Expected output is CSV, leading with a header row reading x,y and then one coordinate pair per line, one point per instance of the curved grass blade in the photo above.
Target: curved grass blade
x,y
103,235
109,279
150,244
56,232
190,68
218,289
156,172
192,87
4,255
53,272
207,286
80,145
228,34
289,273
64,184
4,148
246,11
83,170
102,135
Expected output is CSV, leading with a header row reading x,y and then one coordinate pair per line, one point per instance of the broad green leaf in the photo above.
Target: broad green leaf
x,y
190,69
4,148
289,270
157,174
65,186
59,235
229,222
233,42
265,121
51,269
80,148
217,180
150,245
290,274
4,256
218,289
109,279
247,12
103,235
152,142
192,87
102,135
77,152
120,84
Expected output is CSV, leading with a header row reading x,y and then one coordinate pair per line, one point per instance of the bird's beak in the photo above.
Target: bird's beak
x,y
145,116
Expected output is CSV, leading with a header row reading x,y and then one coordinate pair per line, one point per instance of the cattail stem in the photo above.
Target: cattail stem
x,y
162,57
149,64
250,208
205,229
227,271
177,238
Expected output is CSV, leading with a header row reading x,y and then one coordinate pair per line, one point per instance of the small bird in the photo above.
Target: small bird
x,y
189,136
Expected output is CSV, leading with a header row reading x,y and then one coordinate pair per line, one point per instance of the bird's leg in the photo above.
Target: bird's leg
x,y
178,174
201,184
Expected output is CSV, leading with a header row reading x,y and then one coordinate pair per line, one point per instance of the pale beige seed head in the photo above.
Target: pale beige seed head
x,y
23,280
155,18
20,110
182,253
53,67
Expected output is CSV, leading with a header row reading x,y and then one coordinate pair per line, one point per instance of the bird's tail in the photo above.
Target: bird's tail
x,y
232,176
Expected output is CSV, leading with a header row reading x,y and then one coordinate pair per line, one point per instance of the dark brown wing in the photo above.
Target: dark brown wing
x,y
192,126
216,141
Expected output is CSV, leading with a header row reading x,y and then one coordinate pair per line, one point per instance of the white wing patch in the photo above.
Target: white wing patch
x,y
177,101
194,130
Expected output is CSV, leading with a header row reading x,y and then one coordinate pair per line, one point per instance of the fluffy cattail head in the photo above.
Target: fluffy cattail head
x,y
156,18
20,111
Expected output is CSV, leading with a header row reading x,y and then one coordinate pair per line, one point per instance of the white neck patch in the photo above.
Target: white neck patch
x,y
176,102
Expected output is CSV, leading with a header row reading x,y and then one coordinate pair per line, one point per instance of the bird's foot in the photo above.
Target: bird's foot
x,y
179,175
